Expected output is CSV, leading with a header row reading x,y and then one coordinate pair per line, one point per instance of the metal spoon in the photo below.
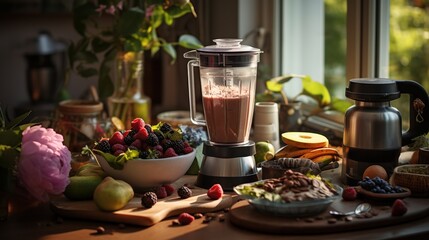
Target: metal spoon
x,y
361,208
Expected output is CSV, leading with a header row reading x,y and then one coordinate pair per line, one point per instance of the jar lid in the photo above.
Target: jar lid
x,y
80,107
226,53
372,90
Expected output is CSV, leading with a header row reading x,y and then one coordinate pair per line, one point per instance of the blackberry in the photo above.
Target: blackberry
x,y
144,154
148,128
152,139
166,144
178,146
103,146
160,135
129,139
149,199
166,127
184,192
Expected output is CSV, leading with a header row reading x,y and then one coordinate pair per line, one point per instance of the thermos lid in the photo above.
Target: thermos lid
x,y
226,53
372,90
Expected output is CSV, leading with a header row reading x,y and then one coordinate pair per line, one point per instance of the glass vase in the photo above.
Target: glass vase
x,y
128,100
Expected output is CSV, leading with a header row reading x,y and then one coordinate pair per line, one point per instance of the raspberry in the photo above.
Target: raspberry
x,y
119,146
185,218
398,208
215,192
103,146
137,124
184,192
169,153
142,134
349,194
149,199
161,192
152,140
118,152
117,137
188,150
169,189
137,143
165,127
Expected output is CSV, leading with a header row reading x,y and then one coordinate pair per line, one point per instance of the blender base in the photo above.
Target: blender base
x,y
227,183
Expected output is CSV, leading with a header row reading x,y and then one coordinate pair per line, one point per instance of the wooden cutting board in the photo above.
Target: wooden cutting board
x,y
244,215
134,213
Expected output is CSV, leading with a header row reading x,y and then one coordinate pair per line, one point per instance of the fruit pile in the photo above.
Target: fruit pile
x,y
379,185
151,142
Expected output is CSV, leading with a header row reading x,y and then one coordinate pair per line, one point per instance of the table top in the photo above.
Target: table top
x,y
39,222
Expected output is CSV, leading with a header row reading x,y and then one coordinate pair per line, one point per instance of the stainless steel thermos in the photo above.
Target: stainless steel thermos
x,y
373,128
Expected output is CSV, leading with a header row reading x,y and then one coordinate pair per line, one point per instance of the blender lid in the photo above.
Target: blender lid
x,y
372,90
227,53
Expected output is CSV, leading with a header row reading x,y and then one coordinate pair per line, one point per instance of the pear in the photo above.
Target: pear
x,y
90,169
82,187
111,194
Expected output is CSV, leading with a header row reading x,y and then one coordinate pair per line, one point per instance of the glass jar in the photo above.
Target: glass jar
x,y
80,122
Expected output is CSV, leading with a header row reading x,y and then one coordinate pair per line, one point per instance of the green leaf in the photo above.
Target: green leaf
x,y
86,56
168,48
130,21
168,19
189,41
99,45
341,105
15,122
8,156
119,161
86,72
81,12
316,90
157,17
276,84
177,11
10,138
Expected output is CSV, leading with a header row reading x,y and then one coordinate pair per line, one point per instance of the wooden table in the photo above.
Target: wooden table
x,y
39,222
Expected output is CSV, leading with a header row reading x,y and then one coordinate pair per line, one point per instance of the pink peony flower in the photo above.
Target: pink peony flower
x,y
44,163
111,10
101,8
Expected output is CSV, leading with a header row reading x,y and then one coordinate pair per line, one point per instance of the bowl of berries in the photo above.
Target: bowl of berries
x,y
145,156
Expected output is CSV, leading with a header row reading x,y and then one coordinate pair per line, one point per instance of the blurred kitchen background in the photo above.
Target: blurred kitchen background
x,y
297,36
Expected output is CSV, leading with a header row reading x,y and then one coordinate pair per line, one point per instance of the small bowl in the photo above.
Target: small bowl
x,y
142,174
413,176
305,208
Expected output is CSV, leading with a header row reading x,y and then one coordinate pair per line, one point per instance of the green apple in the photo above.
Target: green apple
x,y
82,187
264,151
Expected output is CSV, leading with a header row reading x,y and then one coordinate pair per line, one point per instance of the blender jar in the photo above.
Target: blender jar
x,y
228,82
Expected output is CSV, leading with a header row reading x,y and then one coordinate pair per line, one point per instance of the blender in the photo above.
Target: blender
x,y
228,83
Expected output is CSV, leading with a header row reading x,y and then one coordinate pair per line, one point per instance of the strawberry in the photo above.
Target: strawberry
x,y
169,153
142,134
169,189
215,192
398,208
117,137
185,218
137,124
349,194
161,192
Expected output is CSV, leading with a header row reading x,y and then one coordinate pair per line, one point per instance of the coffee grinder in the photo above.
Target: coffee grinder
x,y
228,83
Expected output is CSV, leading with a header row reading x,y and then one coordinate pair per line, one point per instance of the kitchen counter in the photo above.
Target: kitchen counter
x,y
39,222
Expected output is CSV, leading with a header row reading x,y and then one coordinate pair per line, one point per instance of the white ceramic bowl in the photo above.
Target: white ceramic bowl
x,y
142,174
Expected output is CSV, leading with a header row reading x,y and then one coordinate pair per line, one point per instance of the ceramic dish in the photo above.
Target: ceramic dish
x,y
303,208
383,196
145,173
